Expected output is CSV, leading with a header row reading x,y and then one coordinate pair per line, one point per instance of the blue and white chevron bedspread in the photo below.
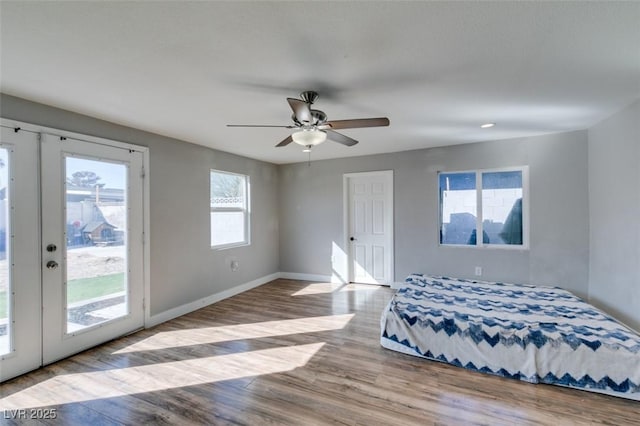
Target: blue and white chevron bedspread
x,y
535,334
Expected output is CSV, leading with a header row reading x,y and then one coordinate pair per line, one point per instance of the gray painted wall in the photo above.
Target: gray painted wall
x,y
614,207
577,240
311,212
183,266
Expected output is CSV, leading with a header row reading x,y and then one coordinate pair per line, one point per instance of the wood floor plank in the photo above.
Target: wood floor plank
x,y
289,352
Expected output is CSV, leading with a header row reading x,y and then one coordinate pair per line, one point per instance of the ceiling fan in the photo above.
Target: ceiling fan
x,y
313,127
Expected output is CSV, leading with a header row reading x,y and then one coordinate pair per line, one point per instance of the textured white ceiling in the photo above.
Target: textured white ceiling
x,y
437,69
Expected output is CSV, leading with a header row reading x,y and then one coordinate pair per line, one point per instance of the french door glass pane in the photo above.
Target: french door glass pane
x,y
5,256
96,242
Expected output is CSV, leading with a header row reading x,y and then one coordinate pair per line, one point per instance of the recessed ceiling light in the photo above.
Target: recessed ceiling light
x,y
487,125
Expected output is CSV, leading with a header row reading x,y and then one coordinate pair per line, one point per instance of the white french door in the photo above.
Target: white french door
x,y
71,245
369,204
92,244
20,325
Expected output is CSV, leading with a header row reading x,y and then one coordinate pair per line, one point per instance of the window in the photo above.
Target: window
x,y
490,203
229,209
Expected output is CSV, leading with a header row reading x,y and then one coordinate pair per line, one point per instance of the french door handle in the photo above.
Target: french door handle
x,y
52,264
352,238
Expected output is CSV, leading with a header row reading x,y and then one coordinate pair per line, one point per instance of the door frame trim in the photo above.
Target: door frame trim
x,y
348,271
145,189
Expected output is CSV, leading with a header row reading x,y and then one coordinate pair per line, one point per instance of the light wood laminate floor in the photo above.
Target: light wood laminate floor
x,y
289,352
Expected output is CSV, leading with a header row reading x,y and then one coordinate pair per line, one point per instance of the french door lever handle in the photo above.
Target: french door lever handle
x,y
52,264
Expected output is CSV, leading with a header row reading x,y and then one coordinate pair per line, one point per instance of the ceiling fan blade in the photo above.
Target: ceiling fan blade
x,y
301,110
340,138
260,125
286,141
356,123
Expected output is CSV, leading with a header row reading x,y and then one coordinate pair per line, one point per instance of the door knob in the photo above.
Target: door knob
x,y
352,238
52,264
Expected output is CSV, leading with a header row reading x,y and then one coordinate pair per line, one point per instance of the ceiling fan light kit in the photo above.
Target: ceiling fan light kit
x,y
308,137
313,127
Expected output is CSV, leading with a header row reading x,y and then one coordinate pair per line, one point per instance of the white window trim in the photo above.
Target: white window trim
x,y
246,211
479,228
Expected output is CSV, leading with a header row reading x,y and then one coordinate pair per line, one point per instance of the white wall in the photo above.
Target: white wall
x,y
614,207
183,267
311,212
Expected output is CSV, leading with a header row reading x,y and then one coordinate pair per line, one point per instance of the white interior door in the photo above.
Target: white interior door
x,y
92,244
20,320
370,227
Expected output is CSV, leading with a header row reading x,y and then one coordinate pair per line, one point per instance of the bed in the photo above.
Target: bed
x,y
534,334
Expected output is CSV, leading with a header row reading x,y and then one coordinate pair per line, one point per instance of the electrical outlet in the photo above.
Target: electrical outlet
x,y
478,271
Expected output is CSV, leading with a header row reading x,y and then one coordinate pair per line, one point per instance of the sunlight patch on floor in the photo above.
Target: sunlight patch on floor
x,y
325,288
360,287
318,288
78,387
208,335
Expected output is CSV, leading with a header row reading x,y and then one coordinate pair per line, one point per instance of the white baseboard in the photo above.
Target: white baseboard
x,y
205,301
305,277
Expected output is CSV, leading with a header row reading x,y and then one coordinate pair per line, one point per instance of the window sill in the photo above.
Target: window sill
x,y
230,246
487,247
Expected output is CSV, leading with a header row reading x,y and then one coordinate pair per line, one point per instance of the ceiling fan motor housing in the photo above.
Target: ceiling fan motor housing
x,y
309,96
317,117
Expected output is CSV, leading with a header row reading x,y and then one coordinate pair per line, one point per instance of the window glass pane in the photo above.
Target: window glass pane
x,y
502,207
458,208
228,208
5,285
227,190
227,228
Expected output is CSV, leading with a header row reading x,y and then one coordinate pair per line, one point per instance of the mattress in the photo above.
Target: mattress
x,y
530,333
